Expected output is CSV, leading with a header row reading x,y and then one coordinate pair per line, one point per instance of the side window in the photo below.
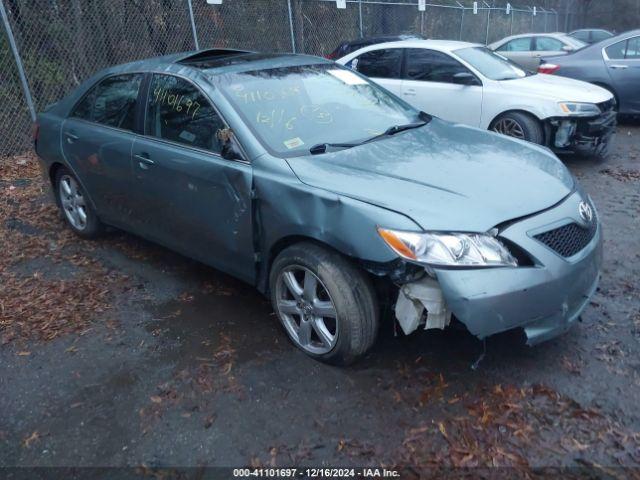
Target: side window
x,y
517,45
547,44
432,66
179,112
598,35
112,102
633,49
617,50
385,63
84,109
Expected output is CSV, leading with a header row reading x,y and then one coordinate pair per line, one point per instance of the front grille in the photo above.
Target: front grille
x,y
568,239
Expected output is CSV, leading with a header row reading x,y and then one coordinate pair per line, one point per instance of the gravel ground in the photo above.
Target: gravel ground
x,y
118,352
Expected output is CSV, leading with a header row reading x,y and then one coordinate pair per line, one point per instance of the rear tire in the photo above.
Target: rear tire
x,y
75,205
519,125
344,325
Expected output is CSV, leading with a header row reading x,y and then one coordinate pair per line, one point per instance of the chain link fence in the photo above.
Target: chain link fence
x,y
56,44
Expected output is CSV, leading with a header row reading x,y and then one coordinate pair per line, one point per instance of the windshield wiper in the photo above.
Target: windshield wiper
x,y
424,119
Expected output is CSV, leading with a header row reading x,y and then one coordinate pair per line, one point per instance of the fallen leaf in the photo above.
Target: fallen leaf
x,y
34,437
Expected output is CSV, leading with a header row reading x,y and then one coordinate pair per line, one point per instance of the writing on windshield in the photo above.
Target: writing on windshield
x,y
292,108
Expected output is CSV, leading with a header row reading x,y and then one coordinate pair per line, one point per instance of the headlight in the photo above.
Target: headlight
x,y
449,249
579,109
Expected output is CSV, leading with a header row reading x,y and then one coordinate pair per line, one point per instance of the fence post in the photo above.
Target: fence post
x,y
293,37
513,12
193,26
461,23
16,56
486,38
532,18
360,16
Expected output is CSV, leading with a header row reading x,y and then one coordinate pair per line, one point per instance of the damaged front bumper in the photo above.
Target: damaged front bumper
x,y
591,135
544,299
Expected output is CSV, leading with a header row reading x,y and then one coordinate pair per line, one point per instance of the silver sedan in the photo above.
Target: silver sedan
x,y
527,49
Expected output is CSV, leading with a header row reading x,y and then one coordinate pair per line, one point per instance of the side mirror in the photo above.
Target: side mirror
x,y
567,48
230,149
465,78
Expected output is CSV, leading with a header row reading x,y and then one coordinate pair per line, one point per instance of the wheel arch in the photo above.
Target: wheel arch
x,y
609,88
54,168
546,131
280,245
515,110
53,171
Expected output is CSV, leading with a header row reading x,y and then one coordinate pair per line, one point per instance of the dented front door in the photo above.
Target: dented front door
x,y
195,202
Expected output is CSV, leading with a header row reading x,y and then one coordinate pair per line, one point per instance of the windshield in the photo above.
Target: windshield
x,y
490,64
292,109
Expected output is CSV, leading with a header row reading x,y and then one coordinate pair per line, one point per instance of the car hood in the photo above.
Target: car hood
x,y
557,88
444,176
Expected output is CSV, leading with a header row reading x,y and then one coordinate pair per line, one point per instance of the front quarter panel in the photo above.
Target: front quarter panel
x,y
285,208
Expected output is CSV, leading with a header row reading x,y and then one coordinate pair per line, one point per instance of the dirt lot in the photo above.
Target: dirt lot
x,y
118,352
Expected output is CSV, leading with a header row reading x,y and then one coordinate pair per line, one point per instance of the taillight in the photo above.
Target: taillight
x,y
331,56
548,68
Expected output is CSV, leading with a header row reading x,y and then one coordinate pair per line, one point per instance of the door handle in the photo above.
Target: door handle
x,y
409,92
144,161
71,137
619,67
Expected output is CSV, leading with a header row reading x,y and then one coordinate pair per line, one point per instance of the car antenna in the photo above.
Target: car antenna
x,y
476,364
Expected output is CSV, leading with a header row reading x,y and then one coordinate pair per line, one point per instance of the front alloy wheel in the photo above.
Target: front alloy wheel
x,y
510,127
326,303
306,310
519,125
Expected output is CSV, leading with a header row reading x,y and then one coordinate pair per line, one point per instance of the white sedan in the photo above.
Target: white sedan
x,y
468,83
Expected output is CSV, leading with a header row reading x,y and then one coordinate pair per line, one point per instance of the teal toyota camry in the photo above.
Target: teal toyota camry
x,y
331,195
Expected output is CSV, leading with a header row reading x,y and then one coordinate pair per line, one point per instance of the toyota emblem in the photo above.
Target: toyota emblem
x,y
585,211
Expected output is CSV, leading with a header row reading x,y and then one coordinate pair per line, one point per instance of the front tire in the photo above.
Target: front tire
x,y
327,305
519,125
75,205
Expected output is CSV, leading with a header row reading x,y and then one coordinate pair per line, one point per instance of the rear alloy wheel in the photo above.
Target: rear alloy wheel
x,y
327,305
75,205
519,125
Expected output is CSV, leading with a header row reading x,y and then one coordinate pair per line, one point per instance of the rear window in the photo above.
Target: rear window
x,y
517,45
547,44
598,35
383,63
582,36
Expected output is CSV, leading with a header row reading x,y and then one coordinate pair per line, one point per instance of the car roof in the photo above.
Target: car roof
x,y
590,30
218,61
613,40
522,35
383,38
442,45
